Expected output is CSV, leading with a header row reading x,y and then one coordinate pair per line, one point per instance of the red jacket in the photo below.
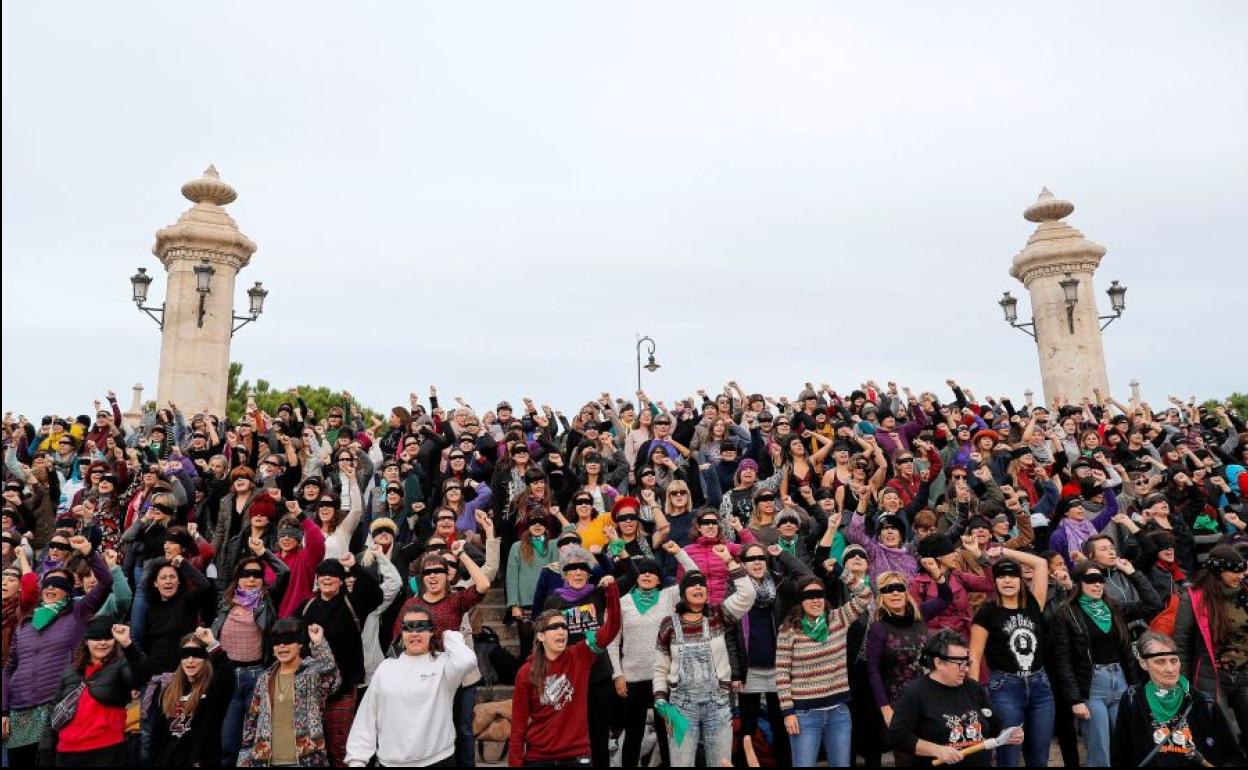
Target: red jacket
x,y
302,562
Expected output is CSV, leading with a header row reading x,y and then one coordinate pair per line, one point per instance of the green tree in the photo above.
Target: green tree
x,y
1236,403
319,399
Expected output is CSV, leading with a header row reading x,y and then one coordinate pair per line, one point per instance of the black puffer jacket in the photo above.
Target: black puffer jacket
x,y
110,686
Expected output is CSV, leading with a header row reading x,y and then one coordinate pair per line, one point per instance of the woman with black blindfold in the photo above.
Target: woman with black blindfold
x,y
416,688
1092,660
187,712
1211,629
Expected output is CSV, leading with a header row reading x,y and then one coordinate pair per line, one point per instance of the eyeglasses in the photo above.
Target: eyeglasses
x,y
962,662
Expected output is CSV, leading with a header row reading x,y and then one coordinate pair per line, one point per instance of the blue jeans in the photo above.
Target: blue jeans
x,y
1108,686
830,728
465,739
710,723
138,608
1026,701
232,731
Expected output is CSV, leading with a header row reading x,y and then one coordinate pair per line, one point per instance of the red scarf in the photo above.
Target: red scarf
x,y
1173,568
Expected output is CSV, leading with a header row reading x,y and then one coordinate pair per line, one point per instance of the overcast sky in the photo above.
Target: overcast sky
x,y
494,197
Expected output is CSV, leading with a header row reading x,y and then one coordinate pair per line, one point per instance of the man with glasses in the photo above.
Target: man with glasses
x,y
947,715
1165,722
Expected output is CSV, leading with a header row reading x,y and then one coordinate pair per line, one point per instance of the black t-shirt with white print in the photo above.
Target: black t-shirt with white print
x,y
1016,637
949,716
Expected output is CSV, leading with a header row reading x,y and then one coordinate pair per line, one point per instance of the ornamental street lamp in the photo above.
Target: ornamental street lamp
x,y
1070,292
651,365
141,282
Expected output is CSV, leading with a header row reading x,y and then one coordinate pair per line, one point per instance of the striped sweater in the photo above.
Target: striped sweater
x,y
813,675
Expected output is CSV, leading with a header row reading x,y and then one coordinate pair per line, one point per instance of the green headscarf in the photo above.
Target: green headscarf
x,y
1165,703
1098,610
816,630
46,613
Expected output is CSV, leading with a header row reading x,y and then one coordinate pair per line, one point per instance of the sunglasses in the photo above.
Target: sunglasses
x,y
893,588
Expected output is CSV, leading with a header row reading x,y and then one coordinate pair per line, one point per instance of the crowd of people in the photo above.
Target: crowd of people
x,y
734,579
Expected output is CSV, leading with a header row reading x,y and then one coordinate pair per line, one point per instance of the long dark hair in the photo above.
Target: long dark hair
x,y
151,571
1209,583
1119,628
180,685
794,619
82,657
537,661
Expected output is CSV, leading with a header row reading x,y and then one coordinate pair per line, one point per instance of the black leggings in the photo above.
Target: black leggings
x,y
602,705
1065,731
524,632
110,756
640,700
750,703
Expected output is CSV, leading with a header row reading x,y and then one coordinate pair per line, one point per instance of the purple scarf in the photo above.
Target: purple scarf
x,y
1077,533
248,599
570,594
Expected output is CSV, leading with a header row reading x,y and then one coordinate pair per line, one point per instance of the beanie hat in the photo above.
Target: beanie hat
x,y
788,517
625,502
262,505
646,565
978,522
747,464
891,521
331,568
100,627
366,443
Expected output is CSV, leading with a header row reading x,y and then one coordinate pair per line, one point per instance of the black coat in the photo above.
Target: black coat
x,y
343,624
1211,733
1069,662
200,746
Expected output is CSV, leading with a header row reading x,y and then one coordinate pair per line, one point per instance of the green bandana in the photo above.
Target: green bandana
x,y
539,545
1098,610
788,546
1165,703
816,630
644,599
616,547
1204,523
46,613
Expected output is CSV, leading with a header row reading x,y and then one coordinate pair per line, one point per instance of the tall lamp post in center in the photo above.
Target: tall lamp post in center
x,y
651,364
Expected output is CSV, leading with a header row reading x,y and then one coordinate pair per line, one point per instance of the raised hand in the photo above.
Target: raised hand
x,y
316,634
121,634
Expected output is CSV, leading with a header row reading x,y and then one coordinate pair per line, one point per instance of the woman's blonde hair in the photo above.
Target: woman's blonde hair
x,y
888,578
679,486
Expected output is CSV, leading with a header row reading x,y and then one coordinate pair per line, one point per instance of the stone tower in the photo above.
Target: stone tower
x,y
1068,336
195,338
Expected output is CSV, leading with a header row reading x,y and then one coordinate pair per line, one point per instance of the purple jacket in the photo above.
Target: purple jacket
x,y
32,674
905,433
880,558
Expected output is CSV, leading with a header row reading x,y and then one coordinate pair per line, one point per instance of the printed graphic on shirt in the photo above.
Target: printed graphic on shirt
x,y
1174,737
1022,634
581,618
965,729
557,692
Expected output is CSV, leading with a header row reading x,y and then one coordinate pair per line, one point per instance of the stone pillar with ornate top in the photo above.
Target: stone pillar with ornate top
x,y
1056,266
198,323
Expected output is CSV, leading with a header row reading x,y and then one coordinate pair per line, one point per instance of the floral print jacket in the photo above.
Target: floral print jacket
x,y
316,678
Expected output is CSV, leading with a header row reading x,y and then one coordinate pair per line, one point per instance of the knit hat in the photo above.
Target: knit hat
x,y
978,522
788,517
936,545
99,628
625,502
366,443
1018,452
747,465
262,505
383,523
891,521
988,432
331,568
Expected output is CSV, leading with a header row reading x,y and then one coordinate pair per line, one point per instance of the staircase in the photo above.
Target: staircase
x,y
490,613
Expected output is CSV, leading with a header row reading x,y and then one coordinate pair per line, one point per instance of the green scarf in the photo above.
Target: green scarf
x,y
788,546
1165,703
46,613
816,630
644,599
539,545
616,547
1098,610
1205,524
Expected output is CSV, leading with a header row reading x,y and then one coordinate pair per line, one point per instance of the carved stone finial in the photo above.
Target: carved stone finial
x,y
209,189
1048,208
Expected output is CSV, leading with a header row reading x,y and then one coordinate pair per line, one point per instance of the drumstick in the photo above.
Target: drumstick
x,y
966,752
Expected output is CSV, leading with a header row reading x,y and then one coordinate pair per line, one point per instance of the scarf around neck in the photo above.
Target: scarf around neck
x,y
570,594
1098,611
787,545
1077,532
764,590
248,598
46,613
644,599
1165,704
816,630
